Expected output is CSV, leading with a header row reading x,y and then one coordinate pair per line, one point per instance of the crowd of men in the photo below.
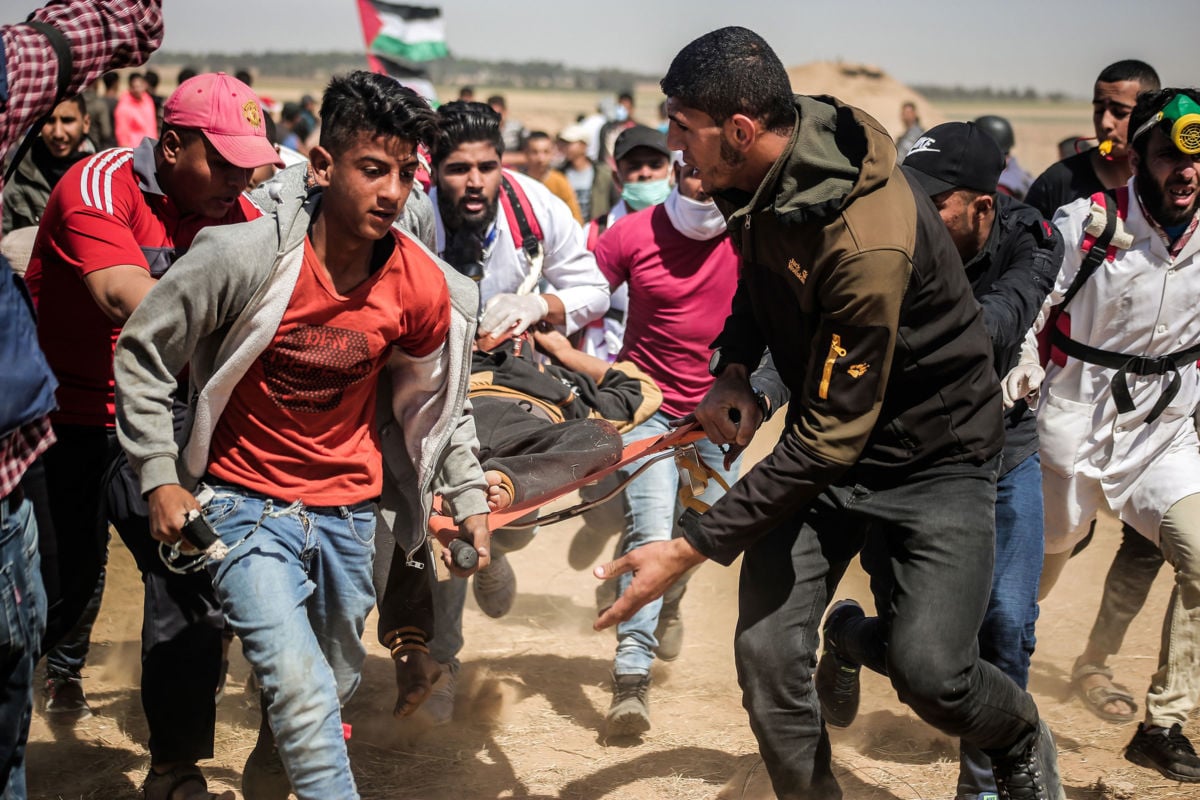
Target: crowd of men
x,y
260,359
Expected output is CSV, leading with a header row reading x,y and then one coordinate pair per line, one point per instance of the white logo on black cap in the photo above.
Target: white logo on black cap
x,y
923,145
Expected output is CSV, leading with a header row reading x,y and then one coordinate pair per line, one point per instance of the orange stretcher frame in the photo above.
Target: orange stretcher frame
x,y
445,530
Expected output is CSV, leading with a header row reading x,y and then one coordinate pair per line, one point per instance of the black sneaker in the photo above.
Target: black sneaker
x,y
1166,751
629,714
65,700
837,677
1032,773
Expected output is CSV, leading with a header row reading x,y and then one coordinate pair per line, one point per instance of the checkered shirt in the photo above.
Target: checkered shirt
x,y
104,35
19,449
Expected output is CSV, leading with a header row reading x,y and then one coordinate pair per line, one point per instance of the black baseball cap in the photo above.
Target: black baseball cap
x,y
955,155
640,136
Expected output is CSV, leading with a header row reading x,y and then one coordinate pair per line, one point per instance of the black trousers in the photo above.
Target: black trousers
x,y
66,487
182,625
938,526
537,455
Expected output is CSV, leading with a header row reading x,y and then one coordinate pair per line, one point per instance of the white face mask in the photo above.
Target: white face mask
x,y
695,220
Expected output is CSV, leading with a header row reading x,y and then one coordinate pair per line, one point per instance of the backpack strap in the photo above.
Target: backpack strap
x,y
522,222
1098,248
62,49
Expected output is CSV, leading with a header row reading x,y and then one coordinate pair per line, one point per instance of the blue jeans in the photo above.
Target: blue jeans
x,y
22,622
1007,636
297,591
651,510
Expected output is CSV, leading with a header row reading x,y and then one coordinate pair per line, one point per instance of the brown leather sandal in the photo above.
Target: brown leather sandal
x,y
1097,697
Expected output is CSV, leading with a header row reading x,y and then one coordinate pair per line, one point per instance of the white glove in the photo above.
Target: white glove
x,y
1022,383
511,314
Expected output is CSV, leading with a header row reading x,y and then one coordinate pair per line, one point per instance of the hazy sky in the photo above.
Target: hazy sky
x,y
1048,44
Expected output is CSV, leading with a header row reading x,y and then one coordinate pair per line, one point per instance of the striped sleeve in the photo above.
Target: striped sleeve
x,y
100,214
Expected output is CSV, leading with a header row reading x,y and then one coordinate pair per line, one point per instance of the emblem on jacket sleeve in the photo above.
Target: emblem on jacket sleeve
x,y
846,368
795,268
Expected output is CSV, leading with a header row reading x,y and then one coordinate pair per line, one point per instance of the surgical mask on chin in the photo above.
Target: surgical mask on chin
x,y
621,114
645,194
695,220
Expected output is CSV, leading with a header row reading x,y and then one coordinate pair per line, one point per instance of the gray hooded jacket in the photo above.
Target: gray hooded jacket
x,y
218,309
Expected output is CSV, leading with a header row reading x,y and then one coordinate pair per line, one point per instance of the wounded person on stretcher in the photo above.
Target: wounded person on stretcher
x,y
541,426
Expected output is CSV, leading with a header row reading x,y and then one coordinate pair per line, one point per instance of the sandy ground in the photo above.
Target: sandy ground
x,y
535,690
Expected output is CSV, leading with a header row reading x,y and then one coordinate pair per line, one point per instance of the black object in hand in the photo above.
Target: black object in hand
x,y
463,554
197,531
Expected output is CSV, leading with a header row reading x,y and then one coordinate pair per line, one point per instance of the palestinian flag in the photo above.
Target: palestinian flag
x,y
401,32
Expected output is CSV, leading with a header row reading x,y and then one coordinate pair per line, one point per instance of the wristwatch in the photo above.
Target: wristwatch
x,y
717,364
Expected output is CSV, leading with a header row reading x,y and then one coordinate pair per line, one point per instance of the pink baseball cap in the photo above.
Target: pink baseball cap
x,y
228,113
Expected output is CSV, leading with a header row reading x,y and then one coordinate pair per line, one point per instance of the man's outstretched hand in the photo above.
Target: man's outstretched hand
x,y
655,567
416,672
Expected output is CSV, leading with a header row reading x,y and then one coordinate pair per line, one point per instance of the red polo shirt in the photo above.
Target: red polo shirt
x,y
108,210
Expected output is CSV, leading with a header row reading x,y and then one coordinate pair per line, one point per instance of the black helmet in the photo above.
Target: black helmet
x,y
999,129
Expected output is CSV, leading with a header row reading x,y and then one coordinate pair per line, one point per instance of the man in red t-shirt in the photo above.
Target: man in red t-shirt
x,y
290,324
112,227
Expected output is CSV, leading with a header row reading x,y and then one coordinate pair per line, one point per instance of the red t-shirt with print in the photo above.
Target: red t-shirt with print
x,y
300,423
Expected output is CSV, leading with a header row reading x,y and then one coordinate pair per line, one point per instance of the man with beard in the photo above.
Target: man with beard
x,y
1116,424
59,145
533,242
894,427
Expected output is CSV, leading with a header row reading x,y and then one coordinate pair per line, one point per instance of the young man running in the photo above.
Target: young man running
x,y
287,323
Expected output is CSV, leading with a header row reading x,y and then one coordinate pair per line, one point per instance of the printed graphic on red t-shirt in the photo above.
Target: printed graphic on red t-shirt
x,y
300,423
311,367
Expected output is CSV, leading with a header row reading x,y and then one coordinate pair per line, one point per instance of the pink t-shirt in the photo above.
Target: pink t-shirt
x,y
680,291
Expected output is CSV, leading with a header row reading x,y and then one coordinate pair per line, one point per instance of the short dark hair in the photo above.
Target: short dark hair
x,y
244,76
497,100
80,102
1131,70
535,135
732,71
460,122
1149,104
185,74
625,95
152,78
110,79
367,103
135,76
